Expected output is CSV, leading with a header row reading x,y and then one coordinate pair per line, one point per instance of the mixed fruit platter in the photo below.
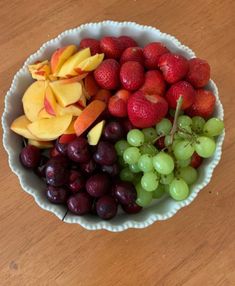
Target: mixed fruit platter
x,y
109,123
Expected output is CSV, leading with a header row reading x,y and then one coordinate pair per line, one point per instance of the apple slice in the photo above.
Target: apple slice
x,y
44,114
70,129
88,116
66,94
50,103
73,109
19,126
61,55
47,129
94,134
40,70
89,64
67,69
40,144
33,99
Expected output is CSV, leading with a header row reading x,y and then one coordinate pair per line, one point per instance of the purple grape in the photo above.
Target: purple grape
x,y
57,195
106,207
41,168
30,156
112,170
125,193
78,150
132,208
57,171
98,184
88,167
113,131
76,181
61,147
105,154
80,203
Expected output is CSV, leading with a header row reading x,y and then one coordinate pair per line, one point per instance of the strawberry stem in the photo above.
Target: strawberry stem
x,y
177,113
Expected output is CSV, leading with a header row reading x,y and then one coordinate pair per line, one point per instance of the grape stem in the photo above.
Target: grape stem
x,y
177,113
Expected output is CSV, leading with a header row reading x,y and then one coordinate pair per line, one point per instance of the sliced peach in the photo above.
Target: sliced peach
x,y
33,99
82,101
61,55
41,144
88,116
66,138
19,126
68,68
77,78
66,94
70,129
103,95
40,70
91,85
47,129
72,109
50,103
94,134
89,64
44,114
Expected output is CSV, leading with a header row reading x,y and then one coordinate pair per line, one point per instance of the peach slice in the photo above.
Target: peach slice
x,y
47,129
72,109
60,56
19,126
40,70
89,64
91,85
66,94
88,116
50,103
94,134
40,144
44,114
33,99
67,69
70,129
77,78
67,138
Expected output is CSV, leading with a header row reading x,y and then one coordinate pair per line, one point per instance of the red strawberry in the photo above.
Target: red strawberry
x,y
181,88
93,44
174,67
117,105
111,47
204,104
154,83
107,74
152,53
196,160
199,72
127,42
132,75
132,54
146,110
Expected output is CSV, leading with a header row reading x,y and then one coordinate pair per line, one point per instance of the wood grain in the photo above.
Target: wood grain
x,y
196,246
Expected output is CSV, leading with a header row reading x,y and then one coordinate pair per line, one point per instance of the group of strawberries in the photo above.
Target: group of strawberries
x,y
147,81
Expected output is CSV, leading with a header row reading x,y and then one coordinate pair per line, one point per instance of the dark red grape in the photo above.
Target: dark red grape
x,y
53,152
126,124
112,170
132,208
106,207
30,156
125,193
57,195
80,203
105,154
160,143
98,184
57,171
78,150
88,167
41,168
76,181
61,147
113,131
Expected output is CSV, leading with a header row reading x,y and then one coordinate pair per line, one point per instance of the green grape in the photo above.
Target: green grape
x,y
143,198
164,127
137,178
178,189
163,163
126,175
121,146
172,112
198,123
134,168
205,146
188,174
167,140
213,127
159,192
167,188
131,155
135,137
122,163
149,181
183,150
145,163
184,121
176,136
148,149
150,134
175,141
185,132
167,179
183,163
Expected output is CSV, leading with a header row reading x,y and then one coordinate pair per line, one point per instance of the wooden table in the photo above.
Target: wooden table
x,y
196,246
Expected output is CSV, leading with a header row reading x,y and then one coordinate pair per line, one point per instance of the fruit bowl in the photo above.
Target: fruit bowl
x,y
161,209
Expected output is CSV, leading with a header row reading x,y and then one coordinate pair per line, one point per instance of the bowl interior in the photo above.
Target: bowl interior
x,y
159,209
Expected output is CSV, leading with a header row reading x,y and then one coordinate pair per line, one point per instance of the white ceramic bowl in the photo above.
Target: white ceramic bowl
x,y
159,210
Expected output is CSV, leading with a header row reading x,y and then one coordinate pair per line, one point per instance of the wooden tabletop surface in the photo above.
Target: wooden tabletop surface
x,y
196,246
